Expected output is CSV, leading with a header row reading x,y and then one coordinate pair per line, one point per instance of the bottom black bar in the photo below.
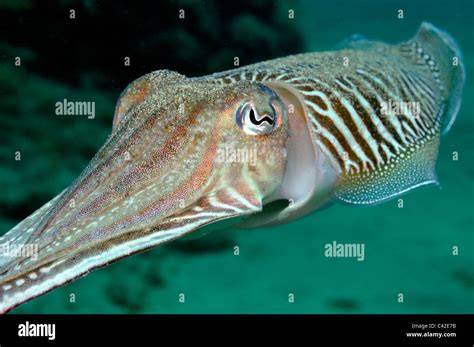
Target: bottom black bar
x,y
318,330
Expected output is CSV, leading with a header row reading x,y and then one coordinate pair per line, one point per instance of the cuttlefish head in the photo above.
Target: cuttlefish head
x,y
183,153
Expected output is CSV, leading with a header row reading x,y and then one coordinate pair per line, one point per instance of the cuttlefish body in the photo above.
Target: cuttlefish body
x,y
319,128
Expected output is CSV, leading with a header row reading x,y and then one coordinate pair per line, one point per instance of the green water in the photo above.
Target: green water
x,y
408,250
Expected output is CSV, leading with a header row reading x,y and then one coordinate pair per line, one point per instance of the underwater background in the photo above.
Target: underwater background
x,y
408,250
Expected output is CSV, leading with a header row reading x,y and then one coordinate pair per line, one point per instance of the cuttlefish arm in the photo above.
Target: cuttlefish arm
x,y
162,174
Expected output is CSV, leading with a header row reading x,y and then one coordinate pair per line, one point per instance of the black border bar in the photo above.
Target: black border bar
x,y
319,330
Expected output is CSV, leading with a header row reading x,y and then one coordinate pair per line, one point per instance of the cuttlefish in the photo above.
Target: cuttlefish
x,y
360,125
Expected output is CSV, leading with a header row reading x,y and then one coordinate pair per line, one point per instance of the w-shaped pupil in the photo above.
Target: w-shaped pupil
x,y
254,120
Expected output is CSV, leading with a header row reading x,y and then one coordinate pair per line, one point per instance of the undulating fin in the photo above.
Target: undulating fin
x,y
429,57
415,168
440,51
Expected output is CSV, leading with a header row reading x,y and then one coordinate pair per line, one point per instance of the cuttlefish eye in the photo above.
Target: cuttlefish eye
x,y
255,120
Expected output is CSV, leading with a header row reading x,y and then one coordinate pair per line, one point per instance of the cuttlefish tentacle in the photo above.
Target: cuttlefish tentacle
x,y
308,129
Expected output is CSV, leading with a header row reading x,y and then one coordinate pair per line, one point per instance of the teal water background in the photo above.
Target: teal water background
x,y
408,250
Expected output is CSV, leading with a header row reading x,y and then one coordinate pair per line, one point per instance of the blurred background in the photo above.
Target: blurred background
x,y
408,250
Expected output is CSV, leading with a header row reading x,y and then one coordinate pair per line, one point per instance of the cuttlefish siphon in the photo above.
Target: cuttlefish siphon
x,y
360,125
